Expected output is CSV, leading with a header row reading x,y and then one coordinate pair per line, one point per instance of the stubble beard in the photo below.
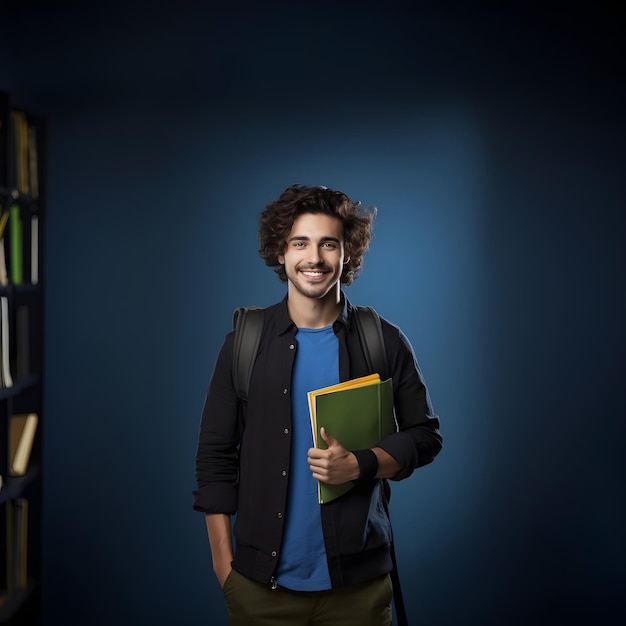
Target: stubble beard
x,y
312,290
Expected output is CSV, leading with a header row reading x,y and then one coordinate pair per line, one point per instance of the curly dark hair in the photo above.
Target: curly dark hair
x,y
278,217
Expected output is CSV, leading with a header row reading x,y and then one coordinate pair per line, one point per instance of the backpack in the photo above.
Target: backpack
x,y
248,327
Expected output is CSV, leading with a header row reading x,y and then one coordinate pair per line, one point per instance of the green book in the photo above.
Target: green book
x,y
358,413
16,236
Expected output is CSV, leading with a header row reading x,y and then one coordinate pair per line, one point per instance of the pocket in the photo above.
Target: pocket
x,y
380,591
227,581
388,589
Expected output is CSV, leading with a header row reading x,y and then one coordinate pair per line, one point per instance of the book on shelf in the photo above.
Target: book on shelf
x,y
18,139
21,543
5,358
18,145
34,249
19,154
4,139
22,342
22,429
16,243
4,218
15,247
16,546
358,413
4,276
33,161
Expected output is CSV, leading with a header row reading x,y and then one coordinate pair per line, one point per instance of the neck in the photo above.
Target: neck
x,y
314,313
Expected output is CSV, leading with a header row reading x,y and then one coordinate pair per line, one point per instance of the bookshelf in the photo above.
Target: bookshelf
x,y
22,215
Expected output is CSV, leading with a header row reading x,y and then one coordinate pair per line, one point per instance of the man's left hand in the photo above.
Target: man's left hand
x,y
335,465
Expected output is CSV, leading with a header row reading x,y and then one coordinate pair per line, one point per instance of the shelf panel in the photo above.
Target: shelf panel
x,y
13,486
18,387
9,605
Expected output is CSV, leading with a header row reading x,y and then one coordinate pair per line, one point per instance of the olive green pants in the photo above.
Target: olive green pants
x,y
254,604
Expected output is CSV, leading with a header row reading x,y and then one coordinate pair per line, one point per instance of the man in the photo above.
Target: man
x,y
298,562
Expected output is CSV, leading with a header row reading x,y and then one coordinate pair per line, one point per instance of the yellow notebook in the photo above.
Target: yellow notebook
x,y
358,413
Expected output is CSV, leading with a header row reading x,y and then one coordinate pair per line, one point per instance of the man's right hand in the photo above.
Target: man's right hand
x,y
222,572
218,527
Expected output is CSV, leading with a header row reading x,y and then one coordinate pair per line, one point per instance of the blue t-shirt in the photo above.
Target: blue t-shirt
x,y
303,565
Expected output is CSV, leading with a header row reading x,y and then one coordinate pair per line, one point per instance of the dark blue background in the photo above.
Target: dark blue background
x,y
492,140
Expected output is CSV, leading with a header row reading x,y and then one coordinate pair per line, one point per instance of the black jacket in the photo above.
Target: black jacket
x,y
243,453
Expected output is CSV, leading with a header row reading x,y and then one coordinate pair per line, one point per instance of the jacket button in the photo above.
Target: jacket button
x,y
285,391
286,431
274,553
284,473
291,347
279,515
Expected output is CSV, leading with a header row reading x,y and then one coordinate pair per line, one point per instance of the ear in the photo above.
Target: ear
x,y
281,259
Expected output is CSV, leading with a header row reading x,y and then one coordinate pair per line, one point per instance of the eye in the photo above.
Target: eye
x,y
331,245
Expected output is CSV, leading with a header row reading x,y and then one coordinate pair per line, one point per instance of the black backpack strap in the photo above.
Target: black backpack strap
x,y
248,325
370,334
398,600
372,341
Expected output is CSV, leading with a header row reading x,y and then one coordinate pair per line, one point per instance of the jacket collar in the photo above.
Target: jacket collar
x,y
284,322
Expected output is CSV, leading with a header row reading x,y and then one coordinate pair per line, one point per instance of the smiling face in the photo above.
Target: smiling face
x,y
313,257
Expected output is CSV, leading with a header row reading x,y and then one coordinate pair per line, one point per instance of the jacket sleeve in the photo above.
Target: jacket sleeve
x,y
217,457
417,441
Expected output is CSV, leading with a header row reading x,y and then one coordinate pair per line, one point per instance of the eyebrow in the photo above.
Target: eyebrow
x,y
305,238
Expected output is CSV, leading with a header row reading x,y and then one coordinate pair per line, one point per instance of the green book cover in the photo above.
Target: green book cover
x,y
357,416
16,243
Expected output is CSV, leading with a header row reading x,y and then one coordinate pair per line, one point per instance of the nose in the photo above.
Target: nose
x,y
315,257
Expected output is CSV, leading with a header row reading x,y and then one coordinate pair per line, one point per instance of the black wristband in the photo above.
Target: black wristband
x,y
368,463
